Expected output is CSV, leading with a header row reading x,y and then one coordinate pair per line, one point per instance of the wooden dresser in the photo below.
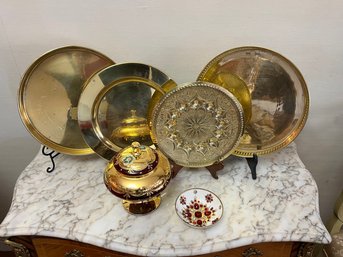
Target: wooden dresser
x,y
54,247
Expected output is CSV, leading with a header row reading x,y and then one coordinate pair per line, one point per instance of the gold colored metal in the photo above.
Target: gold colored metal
x,y
197,124
234,84
306,250
132,129
142,207
138,174
136,158
279,95
19,249
252,252
156,97
106,105
49,93
74,253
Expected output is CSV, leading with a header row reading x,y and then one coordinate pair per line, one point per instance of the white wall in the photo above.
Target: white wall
x,y
180,37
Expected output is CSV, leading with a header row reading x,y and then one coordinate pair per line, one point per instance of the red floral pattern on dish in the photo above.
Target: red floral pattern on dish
x,y
199,214
209,198
183,199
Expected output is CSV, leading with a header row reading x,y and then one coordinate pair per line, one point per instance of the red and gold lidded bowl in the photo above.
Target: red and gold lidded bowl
x,y
138,174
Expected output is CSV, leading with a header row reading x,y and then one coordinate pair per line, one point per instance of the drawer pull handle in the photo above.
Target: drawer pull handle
x,y
19,249
252,252
74,253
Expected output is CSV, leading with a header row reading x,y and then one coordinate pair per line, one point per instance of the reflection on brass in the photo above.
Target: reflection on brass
x,y
138,174
156,97
132,129
235,85
197,124
108,98
279,95
49,93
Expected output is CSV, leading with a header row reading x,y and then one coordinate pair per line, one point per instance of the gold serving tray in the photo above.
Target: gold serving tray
x,y
279,95
197,124
49,93
230,82
114,96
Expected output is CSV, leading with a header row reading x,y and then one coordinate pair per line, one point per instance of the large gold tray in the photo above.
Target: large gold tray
x,y
280,99
49,94
197,124
118,93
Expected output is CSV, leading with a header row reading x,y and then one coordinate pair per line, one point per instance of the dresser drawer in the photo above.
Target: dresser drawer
x,y
255,250
53,247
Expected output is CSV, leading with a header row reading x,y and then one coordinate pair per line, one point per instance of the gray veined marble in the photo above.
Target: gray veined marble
x,y
72,202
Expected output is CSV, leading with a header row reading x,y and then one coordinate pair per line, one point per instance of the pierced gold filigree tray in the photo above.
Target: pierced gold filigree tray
x,y
49,93
279,95
112,111
197,124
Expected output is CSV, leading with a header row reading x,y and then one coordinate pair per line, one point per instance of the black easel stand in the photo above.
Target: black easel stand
x,y
252,162
52,155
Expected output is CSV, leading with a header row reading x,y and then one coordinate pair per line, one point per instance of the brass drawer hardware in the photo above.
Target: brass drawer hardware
x,y
18,249
306,250
252,252
74,253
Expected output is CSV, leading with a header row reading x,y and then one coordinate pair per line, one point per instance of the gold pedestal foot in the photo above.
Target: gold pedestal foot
x,y
142,207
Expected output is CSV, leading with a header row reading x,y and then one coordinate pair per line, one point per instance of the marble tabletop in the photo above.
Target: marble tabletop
x,y
72,202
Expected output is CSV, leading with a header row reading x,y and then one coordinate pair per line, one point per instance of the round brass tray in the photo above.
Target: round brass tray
x,y
279,95
49,94
197,124
118,93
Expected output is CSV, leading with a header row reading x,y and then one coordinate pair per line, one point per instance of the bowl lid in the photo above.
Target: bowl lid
x,y
131,129
49,93
136,160
137,173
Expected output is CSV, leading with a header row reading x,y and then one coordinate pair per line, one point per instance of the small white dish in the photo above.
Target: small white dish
x,y
199,208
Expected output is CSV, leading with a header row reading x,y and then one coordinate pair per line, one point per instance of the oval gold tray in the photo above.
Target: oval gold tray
x,y
197,124
279,95
110,97
49,94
